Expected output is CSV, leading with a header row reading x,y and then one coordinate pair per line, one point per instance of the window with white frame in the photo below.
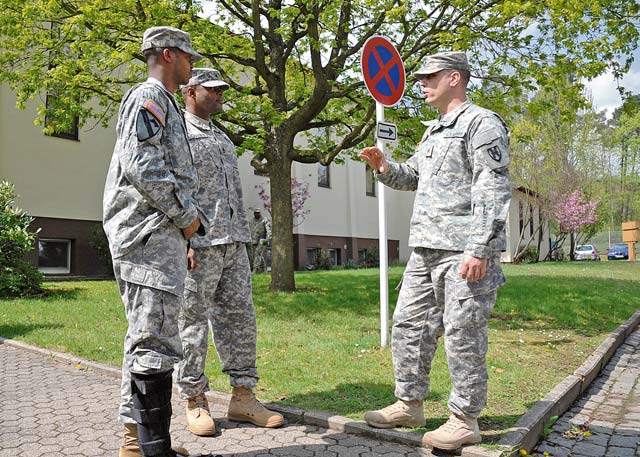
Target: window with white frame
x,y
54,256
370,181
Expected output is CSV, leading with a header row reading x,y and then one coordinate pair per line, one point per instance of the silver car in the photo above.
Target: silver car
x,y
586,252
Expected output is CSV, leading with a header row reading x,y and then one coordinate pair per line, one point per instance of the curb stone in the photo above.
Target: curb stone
x,y
524,435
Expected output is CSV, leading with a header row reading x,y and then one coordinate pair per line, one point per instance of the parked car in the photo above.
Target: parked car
x,y
618,251
586,252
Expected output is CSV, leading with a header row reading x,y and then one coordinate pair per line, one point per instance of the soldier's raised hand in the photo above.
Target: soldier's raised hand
x,y
375,158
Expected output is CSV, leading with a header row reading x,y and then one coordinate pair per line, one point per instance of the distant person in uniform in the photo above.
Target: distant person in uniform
x,y
149,215
218,285
459,172
260,239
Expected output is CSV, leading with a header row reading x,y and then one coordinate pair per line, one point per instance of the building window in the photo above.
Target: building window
x,y
520,217
58,120
54,256
531,221
313,254
55,105
370,181
323,176
334,255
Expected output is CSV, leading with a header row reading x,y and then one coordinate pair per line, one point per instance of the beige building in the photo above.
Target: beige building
x,y
59,181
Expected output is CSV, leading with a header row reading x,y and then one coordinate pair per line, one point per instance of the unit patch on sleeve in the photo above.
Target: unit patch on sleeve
x,y
150,120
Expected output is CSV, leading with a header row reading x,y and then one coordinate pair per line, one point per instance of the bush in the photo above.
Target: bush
x,y
98,241
529,255
323,262
17,276
372,258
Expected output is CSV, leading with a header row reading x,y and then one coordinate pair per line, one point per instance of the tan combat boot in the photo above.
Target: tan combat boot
x,y
130,446
454,433
199,421
244,407
400,414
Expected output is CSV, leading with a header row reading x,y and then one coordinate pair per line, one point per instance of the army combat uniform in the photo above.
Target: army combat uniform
x,y
220,290
148,199
459,173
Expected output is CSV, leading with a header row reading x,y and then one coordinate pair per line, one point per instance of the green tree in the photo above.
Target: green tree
x,y
294,66
17,276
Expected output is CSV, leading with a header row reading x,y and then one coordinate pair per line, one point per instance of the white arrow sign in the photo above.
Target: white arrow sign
x,y
386,131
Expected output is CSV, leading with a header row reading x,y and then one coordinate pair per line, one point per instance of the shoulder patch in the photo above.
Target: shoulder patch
x,y
495,153
147,125
155,109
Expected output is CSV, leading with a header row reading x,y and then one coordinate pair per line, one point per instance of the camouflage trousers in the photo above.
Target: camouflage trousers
x,y
218,293
152,344
434,301
257,256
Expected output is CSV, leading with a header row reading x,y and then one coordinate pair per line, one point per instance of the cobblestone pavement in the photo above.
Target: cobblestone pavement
x,y
606,420
50,408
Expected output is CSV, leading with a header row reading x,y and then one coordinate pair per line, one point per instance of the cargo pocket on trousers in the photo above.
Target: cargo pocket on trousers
x,y
469,304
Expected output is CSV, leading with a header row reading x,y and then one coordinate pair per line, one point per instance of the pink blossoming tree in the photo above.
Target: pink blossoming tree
x,y
299,196
575,216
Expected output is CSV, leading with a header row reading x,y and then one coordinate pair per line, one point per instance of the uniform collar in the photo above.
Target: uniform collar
x,y
450,118
157,82
203,124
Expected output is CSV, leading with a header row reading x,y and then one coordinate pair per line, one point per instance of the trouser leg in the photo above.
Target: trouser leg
x,y
417,325
152,345
467,310
233,319
193,322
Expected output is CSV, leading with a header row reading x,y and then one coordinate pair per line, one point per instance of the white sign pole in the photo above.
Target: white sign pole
x,y
382,249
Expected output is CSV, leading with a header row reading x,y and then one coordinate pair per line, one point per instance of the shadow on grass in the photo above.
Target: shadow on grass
x,y
12,331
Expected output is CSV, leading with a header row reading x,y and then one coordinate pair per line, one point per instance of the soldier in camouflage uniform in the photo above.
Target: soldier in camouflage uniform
x,y
149,214
260,238
218,284
460,176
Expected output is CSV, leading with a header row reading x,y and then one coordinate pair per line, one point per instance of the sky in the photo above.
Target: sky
x,y
604,88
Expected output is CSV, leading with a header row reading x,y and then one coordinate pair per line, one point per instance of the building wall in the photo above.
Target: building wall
x,y
513,233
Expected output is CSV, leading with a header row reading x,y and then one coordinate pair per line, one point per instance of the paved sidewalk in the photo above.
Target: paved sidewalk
x,y
51,408
605,421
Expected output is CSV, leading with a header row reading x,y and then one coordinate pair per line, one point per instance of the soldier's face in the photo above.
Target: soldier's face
x,y
208,100
183,66
436,88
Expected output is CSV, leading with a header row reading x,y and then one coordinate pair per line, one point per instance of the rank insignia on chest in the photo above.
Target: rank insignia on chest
x,y
425,148
150,120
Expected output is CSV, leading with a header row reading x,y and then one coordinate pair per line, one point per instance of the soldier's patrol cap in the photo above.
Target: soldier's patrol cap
x,y
168,37
206,77
451,60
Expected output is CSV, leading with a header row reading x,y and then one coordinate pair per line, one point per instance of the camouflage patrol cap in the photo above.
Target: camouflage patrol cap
x,y
452,60
168,37
206,77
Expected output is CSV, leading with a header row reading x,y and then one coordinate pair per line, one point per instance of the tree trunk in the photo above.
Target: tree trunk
x,y
282,225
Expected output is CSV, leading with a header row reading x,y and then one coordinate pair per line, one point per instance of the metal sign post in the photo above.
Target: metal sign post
x,y
384,76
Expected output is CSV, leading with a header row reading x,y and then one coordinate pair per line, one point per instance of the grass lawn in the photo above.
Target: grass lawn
x,y
318,348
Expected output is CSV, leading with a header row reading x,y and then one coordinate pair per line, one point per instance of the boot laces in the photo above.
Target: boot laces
x,y
454,424
398,406
200,402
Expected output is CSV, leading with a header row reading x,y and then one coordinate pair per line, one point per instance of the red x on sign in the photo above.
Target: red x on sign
x,y
383,71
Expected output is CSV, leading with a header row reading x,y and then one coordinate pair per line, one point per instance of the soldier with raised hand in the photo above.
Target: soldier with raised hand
x,y
149,215
218,285
459,172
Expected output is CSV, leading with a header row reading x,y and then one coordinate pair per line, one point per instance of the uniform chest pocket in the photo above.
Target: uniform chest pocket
x,y
452,154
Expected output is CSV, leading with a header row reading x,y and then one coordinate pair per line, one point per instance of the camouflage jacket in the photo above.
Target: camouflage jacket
x,y
460,174
220,193
150,188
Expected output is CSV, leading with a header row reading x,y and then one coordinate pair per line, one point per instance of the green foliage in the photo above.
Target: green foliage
x,y
372,257
323,262
529,255
17,276
98,241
